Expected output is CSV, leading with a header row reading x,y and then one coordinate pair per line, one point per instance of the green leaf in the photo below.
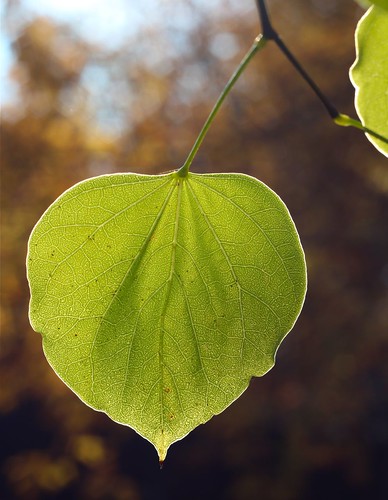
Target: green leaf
x,y
159,297
369,74
367,3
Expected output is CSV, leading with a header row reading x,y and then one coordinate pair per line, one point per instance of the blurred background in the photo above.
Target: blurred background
x,y
93,87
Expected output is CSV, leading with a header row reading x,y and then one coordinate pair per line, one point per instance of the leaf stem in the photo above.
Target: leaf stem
x,y
347,121
258,44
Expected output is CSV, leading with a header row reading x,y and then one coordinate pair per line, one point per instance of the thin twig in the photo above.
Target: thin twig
x,y
271,34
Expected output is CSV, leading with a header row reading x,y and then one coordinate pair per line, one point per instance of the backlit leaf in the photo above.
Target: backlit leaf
x,y
159,297
368,3
369,73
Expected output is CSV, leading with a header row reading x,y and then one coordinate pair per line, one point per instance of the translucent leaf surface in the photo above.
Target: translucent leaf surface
x,y
158,297
368,3
369,73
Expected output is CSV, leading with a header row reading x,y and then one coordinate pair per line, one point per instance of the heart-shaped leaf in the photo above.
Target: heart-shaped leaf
x,y
369,74
159,297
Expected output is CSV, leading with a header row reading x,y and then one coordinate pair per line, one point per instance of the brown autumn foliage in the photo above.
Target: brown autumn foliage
x,y
315,426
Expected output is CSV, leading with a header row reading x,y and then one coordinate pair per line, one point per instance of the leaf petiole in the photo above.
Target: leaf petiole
x,y
258,44
347,121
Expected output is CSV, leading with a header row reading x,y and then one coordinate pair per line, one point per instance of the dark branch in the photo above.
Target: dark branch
x,y
268,32
271,34
333,112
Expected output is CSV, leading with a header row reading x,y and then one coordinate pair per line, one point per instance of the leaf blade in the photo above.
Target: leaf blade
x,y
369,74
181,324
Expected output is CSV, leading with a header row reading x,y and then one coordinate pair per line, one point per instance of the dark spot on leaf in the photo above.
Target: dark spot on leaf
x,y
171,416
167,390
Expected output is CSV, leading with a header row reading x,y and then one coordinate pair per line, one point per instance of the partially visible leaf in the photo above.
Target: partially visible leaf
x,y
158,297
369,74
367,3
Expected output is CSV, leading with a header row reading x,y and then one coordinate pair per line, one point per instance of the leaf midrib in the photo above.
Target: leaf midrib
x,y
135,262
